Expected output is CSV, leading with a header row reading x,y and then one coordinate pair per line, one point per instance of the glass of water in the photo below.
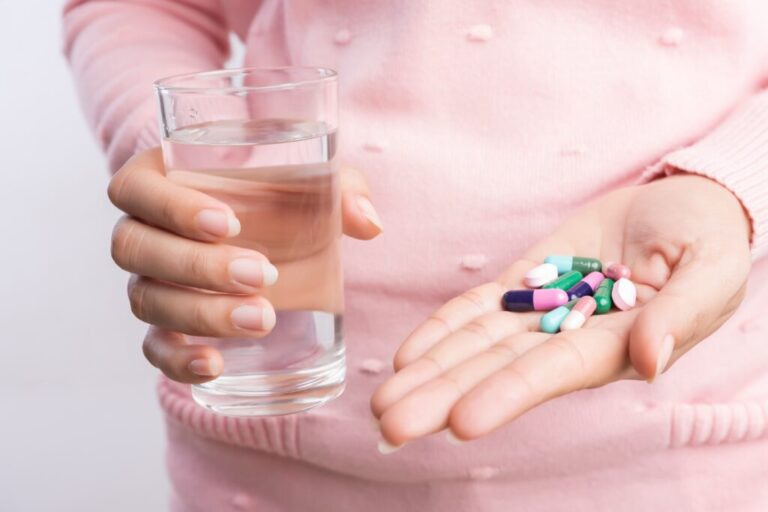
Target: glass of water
x,y
263,141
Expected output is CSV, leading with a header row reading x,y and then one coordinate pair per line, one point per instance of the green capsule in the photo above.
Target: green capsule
x,y
603,296
551,321
586,265
565,281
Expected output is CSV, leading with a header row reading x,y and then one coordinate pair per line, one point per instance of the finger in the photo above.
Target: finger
x,y
199,313
458,311
701,294
358,214
172,353
141,189
426,409
470,339
152,252
567,362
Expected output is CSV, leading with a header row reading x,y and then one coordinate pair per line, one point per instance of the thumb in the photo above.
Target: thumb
x,y
699,297
359,217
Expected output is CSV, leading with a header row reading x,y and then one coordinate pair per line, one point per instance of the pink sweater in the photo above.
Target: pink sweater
x,y
480,126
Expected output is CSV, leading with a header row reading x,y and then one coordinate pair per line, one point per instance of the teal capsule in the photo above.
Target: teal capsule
x,y
551,321
563,263
567,263
603,296
565,281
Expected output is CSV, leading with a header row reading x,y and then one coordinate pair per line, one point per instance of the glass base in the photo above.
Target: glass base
x,y
273,393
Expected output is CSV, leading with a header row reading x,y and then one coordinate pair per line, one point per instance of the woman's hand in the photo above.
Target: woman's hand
x,y
472,367
186,280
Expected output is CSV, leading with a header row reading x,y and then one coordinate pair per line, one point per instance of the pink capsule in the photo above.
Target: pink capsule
x,y
616,271
579,314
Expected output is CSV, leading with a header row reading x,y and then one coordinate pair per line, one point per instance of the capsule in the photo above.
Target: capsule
x,y
533,300
616,271
624,294
579,314
565,281
551,321
567,263
540,275
603,296
586,286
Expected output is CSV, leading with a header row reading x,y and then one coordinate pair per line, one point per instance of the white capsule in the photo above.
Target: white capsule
x,y
624,294
540,275
573,321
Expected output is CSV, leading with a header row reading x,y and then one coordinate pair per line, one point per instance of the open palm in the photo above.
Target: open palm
x,y
471,367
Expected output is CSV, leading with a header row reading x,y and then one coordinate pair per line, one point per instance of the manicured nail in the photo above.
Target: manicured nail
x,y
369,211
252,272
253,318
451,438
665,352
374,424
385,448
218,223
205,367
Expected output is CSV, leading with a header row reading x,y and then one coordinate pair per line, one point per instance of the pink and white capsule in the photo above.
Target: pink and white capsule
x,y
624,294
540,275
581,311
616,271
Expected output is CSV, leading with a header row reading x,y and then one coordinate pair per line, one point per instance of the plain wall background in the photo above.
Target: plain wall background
x,y
80,429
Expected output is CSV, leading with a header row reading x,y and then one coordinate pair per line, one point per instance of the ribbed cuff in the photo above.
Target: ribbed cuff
x,y
735,155
273,434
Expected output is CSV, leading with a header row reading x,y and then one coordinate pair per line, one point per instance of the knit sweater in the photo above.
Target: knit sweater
x,y
480,125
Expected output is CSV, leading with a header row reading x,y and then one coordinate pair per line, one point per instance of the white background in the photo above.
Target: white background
x,y
80,429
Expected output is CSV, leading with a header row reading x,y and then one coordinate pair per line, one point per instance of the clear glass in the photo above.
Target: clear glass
x,y
263,141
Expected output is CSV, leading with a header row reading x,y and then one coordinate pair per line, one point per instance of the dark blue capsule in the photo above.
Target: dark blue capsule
x,y
518,300
579,290
534,300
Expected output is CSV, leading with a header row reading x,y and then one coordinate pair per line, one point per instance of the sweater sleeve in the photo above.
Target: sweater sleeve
x,y
117,48
735,154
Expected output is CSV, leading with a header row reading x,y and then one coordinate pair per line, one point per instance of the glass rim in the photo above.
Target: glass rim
x,y
165,84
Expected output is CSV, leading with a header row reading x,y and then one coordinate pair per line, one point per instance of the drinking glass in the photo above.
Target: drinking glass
x,y
263,141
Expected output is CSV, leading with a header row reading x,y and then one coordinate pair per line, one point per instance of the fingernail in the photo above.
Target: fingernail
x,y
374,424
252,272
451,438
385,448
369,211
253,318
218,223
205,367
665,352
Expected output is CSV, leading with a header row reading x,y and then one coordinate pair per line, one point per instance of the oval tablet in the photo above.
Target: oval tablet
x,y
624,294
540,275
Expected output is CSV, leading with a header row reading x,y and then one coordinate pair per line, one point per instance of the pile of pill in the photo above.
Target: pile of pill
x,y
571,289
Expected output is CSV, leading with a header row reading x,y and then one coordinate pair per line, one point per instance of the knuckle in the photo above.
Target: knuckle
x,y
128,243
137,290
167,210
195,262
120,245
201,319
116,188
149,348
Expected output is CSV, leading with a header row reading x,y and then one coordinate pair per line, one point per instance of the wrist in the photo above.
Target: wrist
x,y
716,194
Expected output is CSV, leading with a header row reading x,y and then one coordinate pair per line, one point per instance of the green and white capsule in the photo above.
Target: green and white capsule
x,y
551,321
565,281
